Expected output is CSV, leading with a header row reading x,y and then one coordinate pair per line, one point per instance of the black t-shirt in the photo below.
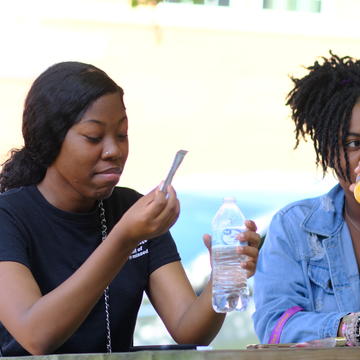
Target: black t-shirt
x,y
53,244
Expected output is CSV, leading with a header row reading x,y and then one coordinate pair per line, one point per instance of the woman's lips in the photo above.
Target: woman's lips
x,y
110,175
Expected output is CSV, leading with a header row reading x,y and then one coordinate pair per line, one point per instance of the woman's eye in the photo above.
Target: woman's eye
x,y
93,139
353,144
122,136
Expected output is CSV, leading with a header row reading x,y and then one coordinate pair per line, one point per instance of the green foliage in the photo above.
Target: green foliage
x,y
135,3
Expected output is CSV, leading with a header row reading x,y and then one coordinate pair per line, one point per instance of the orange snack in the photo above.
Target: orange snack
x,y
357,190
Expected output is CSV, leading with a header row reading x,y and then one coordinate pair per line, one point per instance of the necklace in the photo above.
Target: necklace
x,y
106,291
351,220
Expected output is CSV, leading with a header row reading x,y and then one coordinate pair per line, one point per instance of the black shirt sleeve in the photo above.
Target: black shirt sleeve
x,y
162,251
13,245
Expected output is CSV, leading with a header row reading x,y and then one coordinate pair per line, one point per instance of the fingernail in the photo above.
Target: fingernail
x,y
161,186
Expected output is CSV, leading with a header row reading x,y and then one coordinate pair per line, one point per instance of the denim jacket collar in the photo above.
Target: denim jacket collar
x,y
326,218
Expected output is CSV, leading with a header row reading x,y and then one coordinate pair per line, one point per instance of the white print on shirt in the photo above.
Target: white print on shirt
x,y
139,250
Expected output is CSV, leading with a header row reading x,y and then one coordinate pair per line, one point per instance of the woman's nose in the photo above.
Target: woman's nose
x,y
113,151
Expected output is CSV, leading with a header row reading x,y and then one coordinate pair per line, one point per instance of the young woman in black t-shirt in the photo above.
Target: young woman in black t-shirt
x,y
75,254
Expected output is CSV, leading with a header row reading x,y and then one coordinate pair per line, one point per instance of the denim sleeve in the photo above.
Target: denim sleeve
x,y
281,282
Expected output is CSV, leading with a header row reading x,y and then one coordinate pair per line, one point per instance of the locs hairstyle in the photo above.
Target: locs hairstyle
x,y
56,101
321,104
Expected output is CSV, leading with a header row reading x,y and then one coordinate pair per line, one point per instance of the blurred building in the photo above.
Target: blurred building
x,y
209,78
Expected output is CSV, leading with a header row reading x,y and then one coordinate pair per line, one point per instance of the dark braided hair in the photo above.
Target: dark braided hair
x,y
321,103
56,101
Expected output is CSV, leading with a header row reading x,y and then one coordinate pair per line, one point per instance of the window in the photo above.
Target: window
x,y
293,5
201,2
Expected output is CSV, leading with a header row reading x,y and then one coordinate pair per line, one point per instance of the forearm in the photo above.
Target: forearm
x,y
200,323
312,325
303,326
62,311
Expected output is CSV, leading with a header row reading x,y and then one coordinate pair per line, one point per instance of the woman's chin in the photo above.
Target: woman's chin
x,y
104,193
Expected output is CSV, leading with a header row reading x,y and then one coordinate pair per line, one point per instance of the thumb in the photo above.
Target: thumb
x,y
207,241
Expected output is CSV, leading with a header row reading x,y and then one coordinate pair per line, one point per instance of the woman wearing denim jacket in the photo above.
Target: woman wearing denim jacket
x,y
307,283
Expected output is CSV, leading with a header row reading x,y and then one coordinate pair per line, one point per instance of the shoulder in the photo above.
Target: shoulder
x,y
298,208
295,212
331,202
13,193
15,198
321,215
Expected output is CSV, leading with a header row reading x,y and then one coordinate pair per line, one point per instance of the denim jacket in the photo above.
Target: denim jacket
x,y
307,260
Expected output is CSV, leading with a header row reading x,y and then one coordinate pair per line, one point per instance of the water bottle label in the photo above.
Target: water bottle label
x,y
229,235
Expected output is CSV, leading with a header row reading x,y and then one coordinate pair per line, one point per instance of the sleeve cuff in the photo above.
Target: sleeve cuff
x,y
331,325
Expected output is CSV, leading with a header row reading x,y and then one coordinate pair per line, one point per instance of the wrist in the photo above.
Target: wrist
x,y
126,235
340,332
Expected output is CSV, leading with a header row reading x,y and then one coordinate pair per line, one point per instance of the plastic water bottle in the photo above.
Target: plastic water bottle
x,y
229,288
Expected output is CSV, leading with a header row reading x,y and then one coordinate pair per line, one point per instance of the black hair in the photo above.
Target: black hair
x,y
321,103
56,101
